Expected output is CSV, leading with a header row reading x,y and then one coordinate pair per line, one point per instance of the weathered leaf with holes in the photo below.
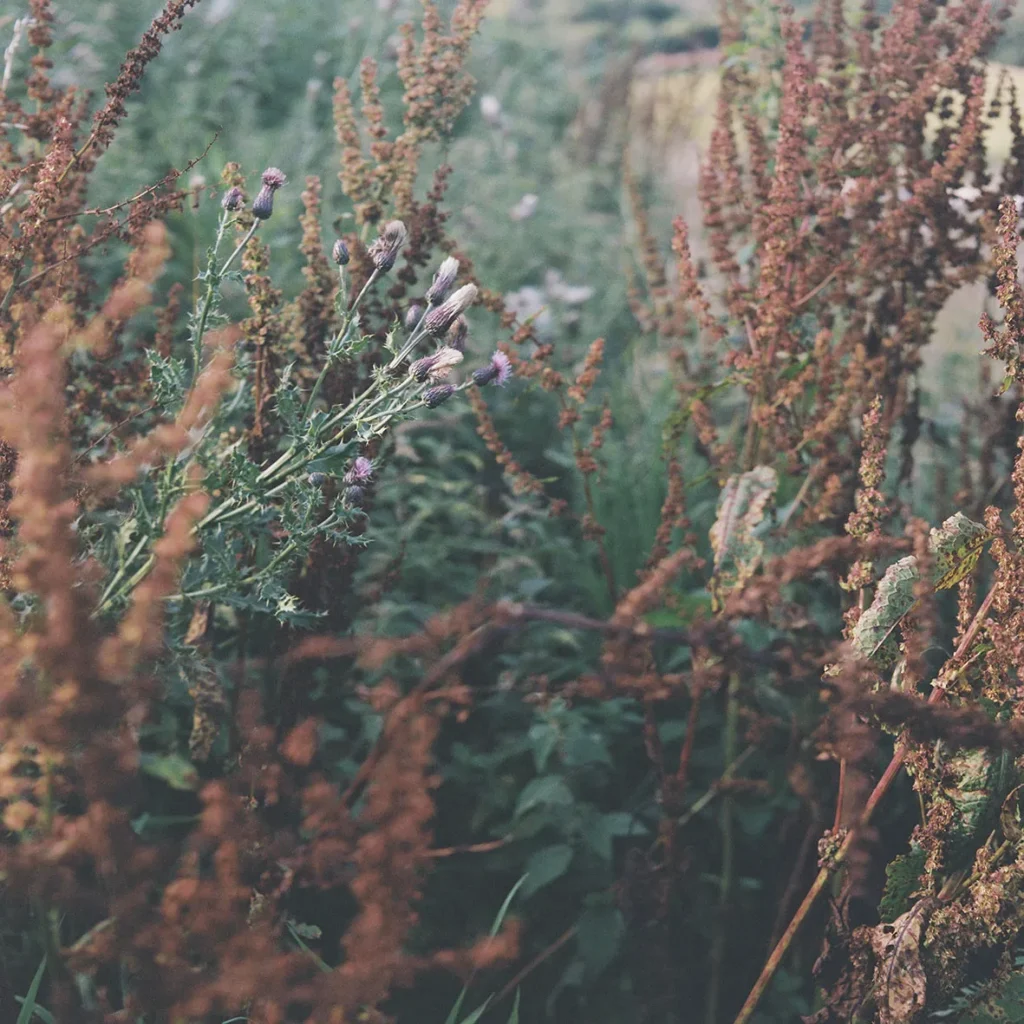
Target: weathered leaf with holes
x,y
741,509
874,635
957,545
900,982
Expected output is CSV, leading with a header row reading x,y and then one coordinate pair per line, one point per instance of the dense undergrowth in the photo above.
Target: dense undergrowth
x,y
375,630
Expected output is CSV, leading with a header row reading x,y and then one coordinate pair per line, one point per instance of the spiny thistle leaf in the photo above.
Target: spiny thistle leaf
x,y
741,509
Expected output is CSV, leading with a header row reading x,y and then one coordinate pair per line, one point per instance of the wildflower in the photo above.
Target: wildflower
x,y
434,397
263,204
412,316
457,334
317,479
339,253
497,371
525,208
439,319
233,199
443,281
435,367
355,496
384,250
360,471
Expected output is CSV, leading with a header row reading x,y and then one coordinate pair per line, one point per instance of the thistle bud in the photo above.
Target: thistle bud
x,y
435,367
497,371
384,251
457,334
339,253
439,319
360,471
443,281
234,199
412,316
355,496
263,204
317,479
434,397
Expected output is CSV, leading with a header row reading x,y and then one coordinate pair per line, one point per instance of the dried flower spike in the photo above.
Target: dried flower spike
x,y
443,281
384,251
233,199
439,319
435,367
340,253
497,371
434,397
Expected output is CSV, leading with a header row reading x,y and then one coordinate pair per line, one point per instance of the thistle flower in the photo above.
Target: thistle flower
x,y
412,316
434,397
360,471
339,253
435,367
263,204
354,496
443,281
497,371
439,319
317,479
233,200
457,334
384,251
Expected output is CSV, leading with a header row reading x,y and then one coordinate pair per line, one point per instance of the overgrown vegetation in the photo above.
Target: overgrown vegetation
x,y
431,594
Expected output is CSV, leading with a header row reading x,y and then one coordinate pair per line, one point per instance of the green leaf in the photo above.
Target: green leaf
x,y
547,791
546,865
599,934
741,509
28,1004
178,772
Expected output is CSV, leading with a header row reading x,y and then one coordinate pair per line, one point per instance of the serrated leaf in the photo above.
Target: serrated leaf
x,y
741,509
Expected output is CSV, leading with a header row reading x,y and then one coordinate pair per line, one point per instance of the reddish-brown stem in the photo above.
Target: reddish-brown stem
x,y
881,788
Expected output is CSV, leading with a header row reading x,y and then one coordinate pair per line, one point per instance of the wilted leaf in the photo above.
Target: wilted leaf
x,y
893,599
957,545
900,983
741,509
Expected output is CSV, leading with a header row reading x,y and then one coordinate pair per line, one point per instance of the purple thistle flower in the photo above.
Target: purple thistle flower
x,y
360,471
433,397
497,371
384,251
443,281
273,178
456,335
233,199
412,316
354,496
435,367
440,318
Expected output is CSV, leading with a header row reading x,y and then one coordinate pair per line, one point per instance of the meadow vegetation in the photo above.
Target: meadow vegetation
x,y
454,569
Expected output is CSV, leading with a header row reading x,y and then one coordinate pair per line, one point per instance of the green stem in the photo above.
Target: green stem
x,y
727,826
